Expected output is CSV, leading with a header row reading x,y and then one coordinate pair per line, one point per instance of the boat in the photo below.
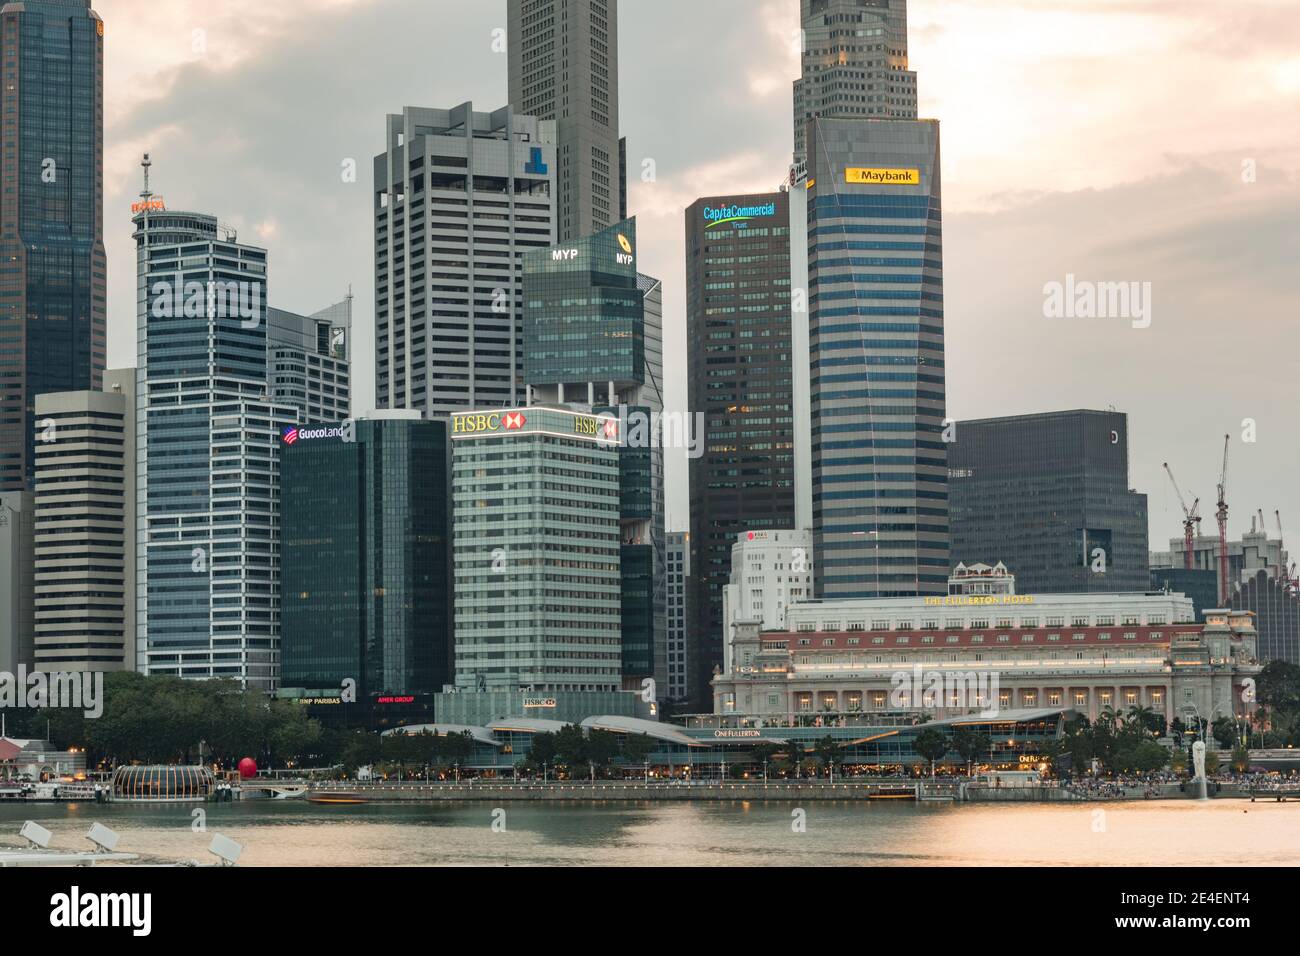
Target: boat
x,y
336,797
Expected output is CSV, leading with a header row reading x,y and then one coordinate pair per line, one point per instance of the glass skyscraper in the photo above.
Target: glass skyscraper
x,y
739,376
364,557
879,467
53,281
593,339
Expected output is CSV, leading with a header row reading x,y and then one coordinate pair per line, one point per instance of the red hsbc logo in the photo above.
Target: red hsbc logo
x,y
514,421
611,428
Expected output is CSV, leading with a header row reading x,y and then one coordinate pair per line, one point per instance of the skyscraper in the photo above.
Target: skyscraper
x,y
85,528
460,197
53,302
593,339
739,377
879,469
364,558
207,438
854,64
17,561
309,362
1048,496
564,67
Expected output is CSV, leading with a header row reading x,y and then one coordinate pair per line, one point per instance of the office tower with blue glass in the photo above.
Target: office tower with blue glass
x,y
593,340
207,435
878,461
364,557
459,197
53,289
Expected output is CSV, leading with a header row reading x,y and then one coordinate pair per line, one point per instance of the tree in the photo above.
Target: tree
x,y
361,749
971,745
932,744
637,748
1224,731
828,752
793,756
602,747
1278,686
1145,718
1240,759
1145,756
570,747
542,751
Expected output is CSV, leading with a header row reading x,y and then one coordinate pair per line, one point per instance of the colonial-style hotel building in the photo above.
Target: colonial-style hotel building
x,y
1083,652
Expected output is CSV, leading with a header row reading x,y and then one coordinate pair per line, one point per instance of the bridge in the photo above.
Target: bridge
x,y
258,789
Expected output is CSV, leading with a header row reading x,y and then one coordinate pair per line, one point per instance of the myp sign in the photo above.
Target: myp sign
x,y
741,215
536,164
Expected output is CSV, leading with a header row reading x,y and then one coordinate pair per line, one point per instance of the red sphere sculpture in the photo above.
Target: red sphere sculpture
x,y
247,768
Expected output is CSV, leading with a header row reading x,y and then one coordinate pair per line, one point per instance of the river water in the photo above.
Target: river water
x,y
290,833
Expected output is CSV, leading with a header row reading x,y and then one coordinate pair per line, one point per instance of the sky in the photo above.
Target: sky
x,y
1148,141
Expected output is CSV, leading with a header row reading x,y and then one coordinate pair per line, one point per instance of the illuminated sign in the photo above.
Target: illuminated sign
x,y
539,702
737,733
971,600
563,255
395,700
472,424
624,243
870,176
149,205
99,28
291,435
723,215
513,421
322,700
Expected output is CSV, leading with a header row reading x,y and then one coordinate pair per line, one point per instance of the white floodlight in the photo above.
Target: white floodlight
x,y
36,835
225,849
103,837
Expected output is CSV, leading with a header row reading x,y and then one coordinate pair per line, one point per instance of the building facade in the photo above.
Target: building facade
x,y
953,655
854,64
536,542
17,570
878,462
1253,552
770,571
564,69
309,361
85,528
1277,615
207,453
1049,495
678,577
364,559
460,196
593,340
54,292
1202,586
740,379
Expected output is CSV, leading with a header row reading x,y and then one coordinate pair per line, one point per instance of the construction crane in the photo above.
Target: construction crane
x,y
1222,516
1287,575
1191,519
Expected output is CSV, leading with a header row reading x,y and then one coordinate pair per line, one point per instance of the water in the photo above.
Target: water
x,y
278,833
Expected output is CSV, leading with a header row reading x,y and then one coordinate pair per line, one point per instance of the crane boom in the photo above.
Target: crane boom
x,y
1221,514
1190,519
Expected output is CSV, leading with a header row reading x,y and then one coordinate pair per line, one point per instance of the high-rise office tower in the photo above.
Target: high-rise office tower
x,y
85,528
875,354
17,561
460,197
364,559
564,67
207,440
1048,496
536,543
679,576
739,377
593,338
53,303
854,64
309,362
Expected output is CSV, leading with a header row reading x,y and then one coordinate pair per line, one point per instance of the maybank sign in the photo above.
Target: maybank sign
x,y
722,215
872,176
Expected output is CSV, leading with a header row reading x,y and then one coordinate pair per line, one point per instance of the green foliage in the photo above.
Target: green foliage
x,y
1144,756
932,744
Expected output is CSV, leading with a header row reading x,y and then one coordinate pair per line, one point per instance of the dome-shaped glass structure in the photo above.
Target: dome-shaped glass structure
x,y
162,783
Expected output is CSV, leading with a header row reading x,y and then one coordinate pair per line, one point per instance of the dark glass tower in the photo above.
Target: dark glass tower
x,y
364,558
593,338
53,280
1048,496
740,378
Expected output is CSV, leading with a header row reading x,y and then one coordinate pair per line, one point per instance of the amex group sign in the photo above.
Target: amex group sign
x,y
873,176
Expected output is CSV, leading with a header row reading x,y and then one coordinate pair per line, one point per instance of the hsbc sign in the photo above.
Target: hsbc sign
x,y
487,422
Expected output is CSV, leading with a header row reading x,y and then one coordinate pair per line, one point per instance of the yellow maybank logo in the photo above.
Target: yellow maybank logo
x,y
882,177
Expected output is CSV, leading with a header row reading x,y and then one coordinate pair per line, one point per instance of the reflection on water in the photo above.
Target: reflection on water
x,y
277,833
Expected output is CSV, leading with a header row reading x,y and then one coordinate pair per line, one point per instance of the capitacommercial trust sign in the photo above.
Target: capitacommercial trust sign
x,y
724,215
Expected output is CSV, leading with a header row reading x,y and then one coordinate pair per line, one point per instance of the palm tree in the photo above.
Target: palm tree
x,y
1143,716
